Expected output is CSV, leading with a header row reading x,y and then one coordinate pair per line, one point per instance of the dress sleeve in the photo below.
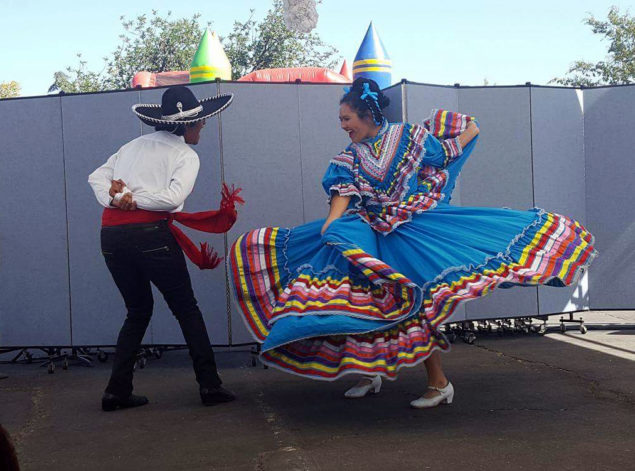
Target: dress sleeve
x,y
444,128
339,178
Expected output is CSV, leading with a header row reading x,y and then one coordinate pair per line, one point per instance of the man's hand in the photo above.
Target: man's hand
x,y
125,202
116,186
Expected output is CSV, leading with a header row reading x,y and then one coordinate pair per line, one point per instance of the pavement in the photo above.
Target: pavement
x,y
523,402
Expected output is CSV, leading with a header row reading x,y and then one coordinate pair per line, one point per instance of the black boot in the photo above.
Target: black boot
x,y
211,396
110,402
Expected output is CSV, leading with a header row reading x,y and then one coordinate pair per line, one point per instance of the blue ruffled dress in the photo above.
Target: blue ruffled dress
x,y
370,294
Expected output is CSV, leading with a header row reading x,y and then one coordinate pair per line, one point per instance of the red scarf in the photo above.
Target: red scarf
x,y
215,222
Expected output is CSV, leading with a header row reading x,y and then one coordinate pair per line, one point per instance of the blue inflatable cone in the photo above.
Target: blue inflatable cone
x,y
372,61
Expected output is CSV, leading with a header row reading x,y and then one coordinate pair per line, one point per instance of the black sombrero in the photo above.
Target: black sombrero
x,y
179,105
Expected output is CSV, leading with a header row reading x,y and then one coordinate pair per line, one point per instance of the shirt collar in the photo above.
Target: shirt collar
x,y
169,135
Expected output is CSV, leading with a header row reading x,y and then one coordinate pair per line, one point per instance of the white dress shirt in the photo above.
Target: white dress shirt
x,y
159,169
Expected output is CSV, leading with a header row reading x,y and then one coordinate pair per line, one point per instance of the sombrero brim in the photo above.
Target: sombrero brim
x,y
151,114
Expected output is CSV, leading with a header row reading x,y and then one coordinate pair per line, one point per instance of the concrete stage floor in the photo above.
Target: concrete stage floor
x,y
523,402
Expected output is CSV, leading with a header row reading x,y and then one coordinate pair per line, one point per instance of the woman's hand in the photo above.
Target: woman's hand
x,y
326,225
471,131
338,207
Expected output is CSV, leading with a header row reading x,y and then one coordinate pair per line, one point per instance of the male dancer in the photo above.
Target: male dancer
x,y
141,245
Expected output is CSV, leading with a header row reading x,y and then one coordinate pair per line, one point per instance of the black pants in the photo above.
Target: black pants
x,y
137,255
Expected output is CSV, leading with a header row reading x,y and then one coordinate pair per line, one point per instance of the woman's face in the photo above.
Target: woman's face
x,y
357,128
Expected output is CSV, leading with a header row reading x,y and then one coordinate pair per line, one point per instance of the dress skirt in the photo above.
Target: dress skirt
x,y
358,301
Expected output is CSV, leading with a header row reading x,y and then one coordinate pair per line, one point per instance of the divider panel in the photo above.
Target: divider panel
x,y
95,127
261,148
34,286
499,174
610,172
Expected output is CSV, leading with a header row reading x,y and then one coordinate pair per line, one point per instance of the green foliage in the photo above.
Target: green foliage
x,y
619,66
157,44
268,44
78,79
9,89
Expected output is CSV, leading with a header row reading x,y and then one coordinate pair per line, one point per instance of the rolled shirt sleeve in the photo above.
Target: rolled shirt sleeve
x,y
101,179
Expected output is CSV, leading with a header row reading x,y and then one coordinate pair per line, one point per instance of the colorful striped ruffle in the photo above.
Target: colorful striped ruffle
x,y
444,124
258,276
554,250
384,353
401,320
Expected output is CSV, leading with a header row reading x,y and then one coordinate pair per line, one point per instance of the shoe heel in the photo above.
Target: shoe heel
x,y
108,406
376,389
449,399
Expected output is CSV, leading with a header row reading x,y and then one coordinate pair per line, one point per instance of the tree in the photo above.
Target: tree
x,y
79,80
9,89
159,44
156,45
252,45
619,66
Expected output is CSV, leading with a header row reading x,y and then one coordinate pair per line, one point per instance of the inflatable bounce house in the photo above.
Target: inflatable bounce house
x,y
291,74
211,62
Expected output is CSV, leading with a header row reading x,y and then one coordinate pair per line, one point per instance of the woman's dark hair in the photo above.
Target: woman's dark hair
x,y
362,106
8,458
176,129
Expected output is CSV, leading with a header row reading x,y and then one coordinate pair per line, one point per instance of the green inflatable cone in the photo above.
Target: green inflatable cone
x,y
210,60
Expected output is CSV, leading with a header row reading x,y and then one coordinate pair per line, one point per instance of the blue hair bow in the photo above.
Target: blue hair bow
x,y
368,93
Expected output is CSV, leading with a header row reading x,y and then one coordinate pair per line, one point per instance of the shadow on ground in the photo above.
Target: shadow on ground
x,y
523,402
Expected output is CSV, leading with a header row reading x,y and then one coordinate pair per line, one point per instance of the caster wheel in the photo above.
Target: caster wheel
x,y
142,363
253,361
542,330
470,338
158,354
65,365
452,337
102,356
29,357
583,329
51,368
563,328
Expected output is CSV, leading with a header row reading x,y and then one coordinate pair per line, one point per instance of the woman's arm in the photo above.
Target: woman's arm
x,y
470,133
338,206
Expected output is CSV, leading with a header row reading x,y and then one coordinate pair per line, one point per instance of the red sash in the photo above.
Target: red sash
x,y
215,222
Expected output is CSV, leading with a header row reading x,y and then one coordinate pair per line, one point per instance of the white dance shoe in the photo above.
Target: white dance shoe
x,y
445,396
366,384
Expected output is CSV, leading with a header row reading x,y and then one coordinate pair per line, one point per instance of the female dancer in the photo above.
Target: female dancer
x,y
367,289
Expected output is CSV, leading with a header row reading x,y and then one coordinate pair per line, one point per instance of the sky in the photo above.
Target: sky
x,y
467,42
